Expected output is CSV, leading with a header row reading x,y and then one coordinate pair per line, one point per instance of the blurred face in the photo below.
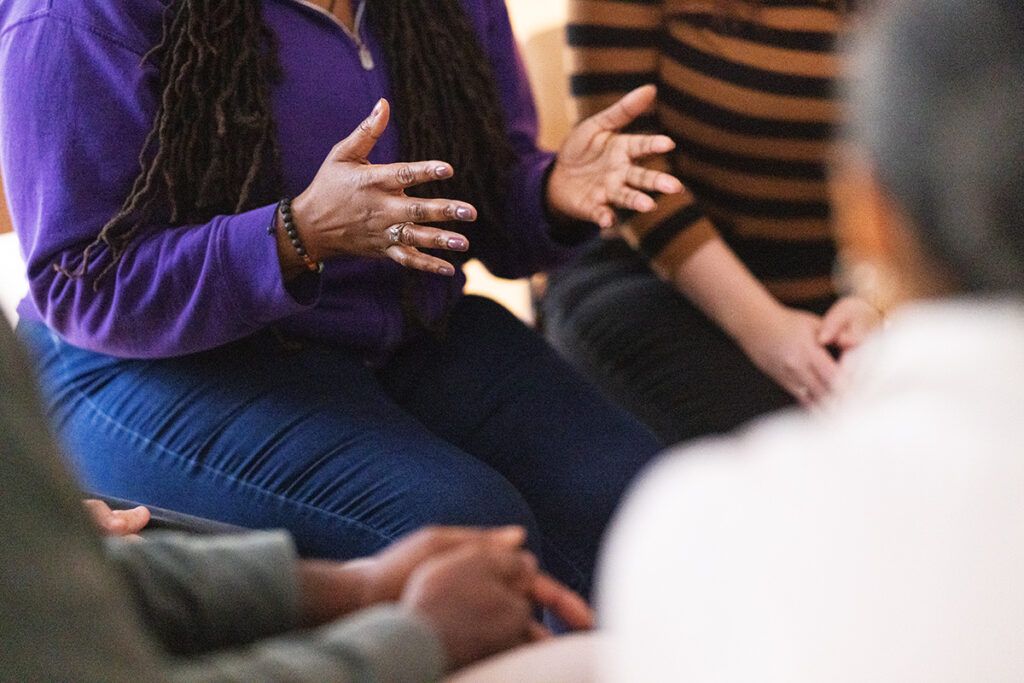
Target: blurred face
x,y
879,252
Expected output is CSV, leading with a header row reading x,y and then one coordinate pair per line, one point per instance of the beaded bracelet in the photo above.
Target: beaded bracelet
x,y
284,207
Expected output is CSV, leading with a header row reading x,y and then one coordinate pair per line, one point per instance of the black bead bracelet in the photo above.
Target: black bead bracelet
x,y
284,207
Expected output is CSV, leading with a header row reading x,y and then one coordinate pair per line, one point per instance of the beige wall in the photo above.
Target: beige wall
x,y
539,25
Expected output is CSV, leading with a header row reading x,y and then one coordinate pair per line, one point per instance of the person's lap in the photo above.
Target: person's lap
x,y
521,409
315,441
652,350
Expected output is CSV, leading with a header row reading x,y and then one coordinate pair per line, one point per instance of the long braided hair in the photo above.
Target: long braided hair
x,y
212,148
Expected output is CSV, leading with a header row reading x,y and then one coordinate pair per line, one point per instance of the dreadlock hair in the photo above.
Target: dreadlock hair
x,y
212,148
446,100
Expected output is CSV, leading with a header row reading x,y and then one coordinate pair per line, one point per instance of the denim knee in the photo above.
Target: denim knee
x,y
484,499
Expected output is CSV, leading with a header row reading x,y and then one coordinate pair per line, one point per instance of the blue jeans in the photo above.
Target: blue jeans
x,y
485,426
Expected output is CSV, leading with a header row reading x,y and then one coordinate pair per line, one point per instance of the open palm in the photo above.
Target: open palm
x,y
597,170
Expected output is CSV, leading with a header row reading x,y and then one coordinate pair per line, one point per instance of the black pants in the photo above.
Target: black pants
x,y
651,350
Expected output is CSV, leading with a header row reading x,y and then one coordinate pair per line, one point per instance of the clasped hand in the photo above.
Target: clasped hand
x,y
792,346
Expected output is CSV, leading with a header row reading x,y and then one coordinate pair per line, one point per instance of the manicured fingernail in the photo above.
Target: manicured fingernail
x,y
457,244
377,109
442,171
464,214
446,270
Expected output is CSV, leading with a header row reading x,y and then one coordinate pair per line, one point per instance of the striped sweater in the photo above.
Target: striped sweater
x,y
747,93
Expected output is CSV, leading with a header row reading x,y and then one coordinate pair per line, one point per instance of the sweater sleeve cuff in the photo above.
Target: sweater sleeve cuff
x,y
394,645
555,238
200,593
248,255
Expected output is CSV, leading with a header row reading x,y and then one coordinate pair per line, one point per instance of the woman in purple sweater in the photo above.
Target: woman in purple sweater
x,y
210,345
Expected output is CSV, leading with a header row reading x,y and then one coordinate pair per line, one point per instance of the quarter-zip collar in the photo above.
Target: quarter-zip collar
x,y
355,34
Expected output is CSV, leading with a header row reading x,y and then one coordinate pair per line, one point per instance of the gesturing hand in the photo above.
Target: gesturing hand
x,y
596,171
355,208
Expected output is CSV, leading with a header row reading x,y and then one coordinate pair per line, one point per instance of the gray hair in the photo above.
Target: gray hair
x,y
936,101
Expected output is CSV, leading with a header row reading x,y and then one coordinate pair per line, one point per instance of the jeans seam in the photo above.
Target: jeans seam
x,y
181,457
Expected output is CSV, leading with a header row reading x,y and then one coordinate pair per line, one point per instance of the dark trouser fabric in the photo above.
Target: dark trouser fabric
x,y
651,350
487,427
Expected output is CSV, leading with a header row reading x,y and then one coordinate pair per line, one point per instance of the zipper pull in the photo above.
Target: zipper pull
x,y
366,58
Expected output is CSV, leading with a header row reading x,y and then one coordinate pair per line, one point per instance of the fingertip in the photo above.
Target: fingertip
x,y
849,340
530,564
458,244
509,535
647,89
379,118
645,95
670,185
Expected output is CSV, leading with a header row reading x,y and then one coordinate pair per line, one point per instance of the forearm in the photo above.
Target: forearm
x,y
382,644
177,290
330,590
721,286
203,593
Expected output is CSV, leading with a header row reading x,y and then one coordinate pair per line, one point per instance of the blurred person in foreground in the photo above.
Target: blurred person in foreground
x,y
236,607
881,538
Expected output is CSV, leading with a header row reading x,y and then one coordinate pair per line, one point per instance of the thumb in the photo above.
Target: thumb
x,y
626,110
509,536
358,145
136,519
831,327
850,339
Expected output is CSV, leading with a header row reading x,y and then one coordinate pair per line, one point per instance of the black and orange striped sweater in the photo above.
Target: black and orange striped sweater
x,y
746,91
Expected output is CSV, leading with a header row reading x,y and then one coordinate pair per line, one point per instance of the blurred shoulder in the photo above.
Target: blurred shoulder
x,y
777,448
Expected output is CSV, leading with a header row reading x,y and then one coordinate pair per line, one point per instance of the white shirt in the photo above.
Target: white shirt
x,y
880,539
